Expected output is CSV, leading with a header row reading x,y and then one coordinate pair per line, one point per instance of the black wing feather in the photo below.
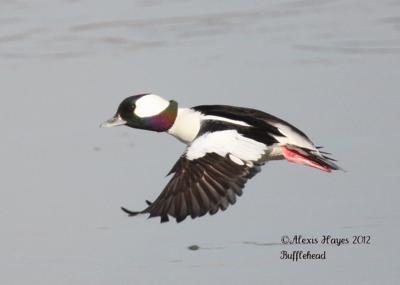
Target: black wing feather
x,y
256,118
200,186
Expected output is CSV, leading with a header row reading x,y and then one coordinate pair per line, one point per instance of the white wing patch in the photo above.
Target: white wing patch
x,y
226,142
236,160
218,118
292,137
150,105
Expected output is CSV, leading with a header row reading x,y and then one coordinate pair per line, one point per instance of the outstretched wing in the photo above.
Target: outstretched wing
x,y
199,186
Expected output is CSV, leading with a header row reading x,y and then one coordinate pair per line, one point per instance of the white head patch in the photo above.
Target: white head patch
x,y
150,105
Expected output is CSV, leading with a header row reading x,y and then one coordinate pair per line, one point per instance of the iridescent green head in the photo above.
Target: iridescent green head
x,y
145,111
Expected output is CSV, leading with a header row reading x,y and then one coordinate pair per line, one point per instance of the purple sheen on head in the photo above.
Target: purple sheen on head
x,y
162,122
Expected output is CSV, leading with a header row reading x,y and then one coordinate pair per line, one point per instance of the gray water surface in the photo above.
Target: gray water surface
x,y
332,68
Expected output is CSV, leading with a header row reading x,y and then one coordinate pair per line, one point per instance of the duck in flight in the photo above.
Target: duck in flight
x,y
226,146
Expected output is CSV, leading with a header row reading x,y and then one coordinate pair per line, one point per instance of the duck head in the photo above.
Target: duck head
x,y
144,111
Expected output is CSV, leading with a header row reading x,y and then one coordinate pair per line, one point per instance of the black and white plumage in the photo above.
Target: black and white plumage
x,y
226,146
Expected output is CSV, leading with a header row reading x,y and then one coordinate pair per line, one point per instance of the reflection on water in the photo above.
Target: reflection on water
x,y
28,35
194,247
350,49
262,243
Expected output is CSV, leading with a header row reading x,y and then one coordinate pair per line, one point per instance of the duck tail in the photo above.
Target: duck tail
x,y
310,157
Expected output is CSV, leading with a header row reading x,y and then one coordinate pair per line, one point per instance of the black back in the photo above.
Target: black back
x,y
262,128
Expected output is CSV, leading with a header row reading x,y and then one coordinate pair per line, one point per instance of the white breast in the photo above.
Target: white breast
x,y
186,125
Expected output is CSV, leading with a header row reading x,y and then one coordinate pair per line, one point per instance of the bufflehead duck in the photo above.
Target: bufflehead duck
x,y
226,146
